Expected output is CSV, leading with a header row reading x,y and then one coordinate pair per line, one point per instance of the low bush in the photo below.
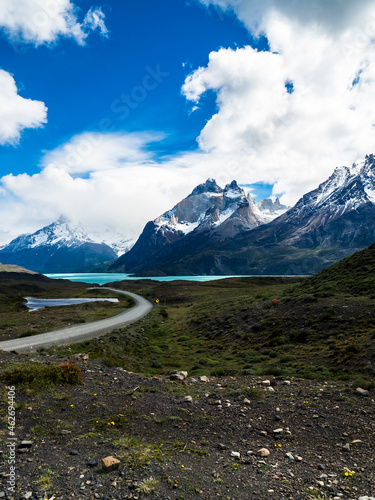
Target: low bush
x,y
37,375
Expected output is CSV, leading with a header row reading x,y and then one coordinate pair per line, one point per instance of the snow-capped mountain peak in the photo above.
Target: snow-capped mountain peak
x,y
270,209
233,191
65,245
346,189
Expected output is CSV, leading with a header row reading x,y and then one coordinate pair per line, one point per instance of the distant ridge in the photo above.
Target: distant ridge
x,y
11,268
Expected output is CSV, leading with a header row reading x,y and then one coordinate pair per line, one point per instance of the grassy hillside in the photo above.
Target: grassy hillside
x,y
12,268
354,275
248,326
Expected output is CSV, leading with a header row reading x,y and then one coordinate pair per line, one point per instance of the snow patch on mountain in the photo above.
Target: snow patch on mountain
x,y
68,234
347,189
209,205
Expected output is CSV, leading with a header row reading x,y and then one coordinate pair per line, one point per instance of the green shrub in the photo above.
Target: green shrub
x,y
287,358
37,375
163,312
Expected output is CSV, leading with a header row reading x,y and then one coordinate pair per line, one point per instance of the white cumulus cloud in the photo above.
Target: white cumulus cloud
x,y
103,180
96,151
16,112
323,53
44,21
95,19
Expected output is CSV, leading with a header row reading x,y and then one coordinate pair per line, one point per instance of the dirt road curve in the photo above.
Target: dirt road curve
x,y
81,332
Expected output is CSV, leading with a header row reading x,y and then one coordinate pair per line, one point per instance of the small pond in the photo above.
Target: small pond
x,y
34,304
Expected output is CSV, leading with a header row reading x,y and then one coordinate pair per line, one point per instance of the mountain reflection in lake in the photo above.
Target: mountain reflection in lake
x,y
34,304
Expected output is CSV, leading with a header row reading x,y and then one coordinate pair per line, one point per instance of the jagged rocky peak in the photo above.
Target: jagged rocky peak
x,y
346,189
209,186
271,206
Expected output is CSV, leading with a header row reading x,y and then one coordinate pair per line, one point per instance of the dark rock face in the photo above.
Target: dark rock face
x,y
327,224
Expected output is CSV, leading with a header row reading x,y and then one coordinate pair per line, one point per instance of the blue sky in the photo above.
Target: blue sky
x,y
112,112
78,84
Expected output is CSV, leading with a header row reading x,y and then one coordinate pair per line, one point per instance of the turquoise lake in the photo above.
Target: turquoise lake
x,y
102,278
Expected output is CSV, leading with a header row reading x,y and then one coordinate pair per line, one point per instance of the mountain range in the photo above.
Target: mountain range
x,y
327,224
208,216
64,247
216,231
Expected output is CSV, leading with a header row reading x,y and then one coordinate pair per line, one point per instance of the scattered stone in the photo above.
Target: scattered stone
x,y
263,433
25,444
176,376
249,453
321,467
64,432
110,463
270,389
246,401
222,446
298,458
203,378
188,399
266,382
73,452
362,392
93,463
235,454
278,431
286,382
346,447
263,452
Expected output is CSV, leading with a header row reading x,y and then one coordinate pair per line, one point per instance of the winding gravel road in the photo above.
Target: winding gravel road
x,y
81,332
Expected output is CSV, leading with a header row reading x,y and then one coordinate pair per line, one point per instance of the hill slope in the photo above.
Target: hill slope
x,y
10,268
353,275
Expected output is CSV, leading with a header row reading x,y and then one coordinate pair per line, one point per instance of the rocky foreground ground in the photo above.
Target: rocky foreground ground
x,y
230,438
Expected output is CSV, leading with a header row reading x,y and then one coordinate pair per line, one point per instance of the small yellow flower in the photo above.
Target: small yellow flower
x,y
72,406
95,394
182,466
113,423
120,415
